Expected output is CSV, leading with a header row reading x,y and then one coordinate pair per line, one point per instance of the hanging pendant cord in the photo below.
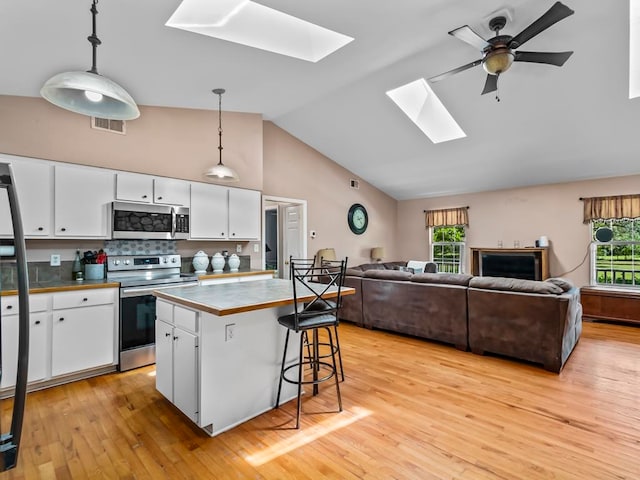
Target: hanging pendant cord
x,y
220,126
93,38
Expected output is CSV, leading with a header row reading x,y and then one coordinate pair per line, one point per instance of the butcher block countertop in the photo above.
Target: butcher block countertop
x,y
59,286
230,298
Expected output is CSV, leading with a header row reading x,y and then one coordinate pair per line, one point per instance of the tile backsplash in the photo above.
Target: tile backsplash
x,y
140,247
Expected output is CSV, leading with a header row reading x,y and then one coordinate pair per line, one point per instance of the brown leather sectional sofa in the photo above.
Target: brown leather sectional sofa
x,y
538,322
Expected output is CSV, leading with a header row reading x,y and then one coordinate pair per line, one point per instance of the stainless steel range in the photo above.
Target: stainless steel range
x,y
139,276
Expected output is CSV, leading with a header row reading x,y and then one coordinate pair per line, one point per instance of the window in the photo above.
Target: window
x,y
616,262
447,248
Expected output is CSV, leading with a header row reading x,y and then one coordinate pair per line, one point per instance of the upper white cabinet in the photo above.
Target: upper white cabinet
x,y
224,213
244,214
82,203
136,187
34,184
209,212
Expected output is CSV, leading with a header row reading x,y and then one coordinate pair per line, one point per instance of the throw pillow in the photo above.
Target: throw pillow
x,y
418,267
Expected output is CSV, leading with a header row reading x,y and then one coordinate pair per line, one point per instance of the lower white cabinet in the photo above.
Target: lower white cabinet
x,y
230,278
82,338
37,339
177,357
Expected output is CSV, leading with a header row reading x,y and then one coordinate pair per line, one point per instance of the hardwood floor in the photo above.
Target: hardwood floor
x,y
413,410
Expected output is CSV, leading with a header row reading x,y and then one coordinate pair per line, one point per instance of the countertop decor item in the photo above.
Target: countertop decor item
x,y
221,172
200,262
234,262
217,262
89,93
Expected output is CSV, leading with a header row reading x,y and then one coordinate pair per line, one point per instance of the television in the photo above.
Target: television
x,y
512,265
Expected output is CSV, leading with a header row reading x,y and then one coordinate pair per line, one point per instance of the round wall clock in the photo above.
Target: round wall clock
x,y
357,219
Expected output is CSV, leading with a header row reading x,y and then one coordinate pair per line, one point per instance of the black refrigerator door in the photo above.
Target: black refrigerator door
x,y
10,441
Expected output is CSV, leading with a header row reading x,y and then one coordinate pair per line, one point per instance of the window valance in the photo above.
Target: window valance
x,y
604,208
446,217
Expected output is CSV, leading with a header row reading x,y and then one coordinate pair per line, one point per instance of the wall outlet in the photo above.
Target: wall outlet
x,y
238,248
55,260
256,248
229,332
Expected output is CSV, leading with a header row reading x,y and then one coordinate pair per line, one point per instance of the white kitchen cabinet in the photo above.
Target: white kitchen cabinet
x,y
83,337
82,203
38,306
177,357
137,187
134,187
224,213
231,278
34,184
209,213
244,214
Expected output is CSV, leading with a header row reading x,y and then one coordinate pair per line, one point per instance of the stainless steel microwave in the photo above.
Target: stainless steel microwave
x,y
147,221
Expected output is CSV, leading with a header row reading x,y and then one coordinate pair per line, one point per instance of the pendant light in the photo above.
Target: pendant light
x,y
89,93
221,172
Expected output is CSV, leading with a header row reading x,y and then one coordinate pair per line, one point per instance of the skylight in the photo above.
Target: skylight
x,y
424,108
634,48
254,25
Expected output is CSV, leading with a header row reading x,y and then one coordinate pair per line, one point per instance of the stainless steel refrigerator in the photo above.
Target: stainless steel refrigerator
x,y
13,265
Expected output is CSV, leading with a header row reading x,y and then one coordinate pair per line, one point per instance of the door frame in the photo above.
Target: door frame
x,y
284,201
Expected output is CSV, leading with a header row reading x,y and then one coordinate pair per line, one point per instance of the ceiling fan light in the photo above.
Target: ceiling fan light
x,y
498,61
222,173
90,94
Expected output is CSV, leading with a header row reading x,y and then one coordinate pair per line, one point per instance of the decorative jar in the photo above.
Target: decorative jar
x,y
217,262
200,262
234,262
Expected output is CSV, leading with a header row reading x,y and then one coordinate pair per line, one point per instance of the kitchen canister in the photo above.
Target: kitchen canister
x,y
217,262
94,271
200,262
234,262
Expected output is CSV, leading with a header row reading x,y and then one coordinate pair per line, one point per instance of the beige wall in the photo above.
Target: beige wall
x,y
292,169
170,142
522,214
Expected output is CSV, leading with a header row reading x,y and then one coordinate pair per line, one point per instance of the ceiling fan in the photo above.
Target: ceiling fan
x,y
498,53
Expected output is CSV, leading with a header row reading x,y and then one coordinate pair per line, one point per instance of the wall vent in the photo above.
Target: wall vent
x,y
354,184
113,126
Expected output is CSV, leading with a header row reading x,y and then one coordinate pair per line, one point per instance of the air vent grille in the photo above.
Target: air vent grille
x,y
113,126
354,184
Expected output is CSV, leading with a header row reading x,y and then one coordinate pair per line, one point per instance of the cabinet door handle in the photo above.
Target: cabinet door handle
x,y
175,338
167,334
159,198
9,307
63,229
40,229
61,319
85,299
37,322
144,196
233,234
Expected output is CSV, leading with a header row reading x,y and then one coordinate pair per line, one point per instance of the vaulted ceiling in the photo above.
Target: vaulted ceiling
x,y
551,125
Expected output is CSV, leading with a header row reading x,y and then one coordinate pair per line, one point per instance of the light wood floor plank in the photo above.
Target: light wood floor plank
x,y
413,410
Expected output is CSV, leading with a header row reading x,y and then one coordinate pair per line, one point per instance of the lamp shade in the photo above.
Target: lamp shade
x,y
327,254
377,253
498,61
90,94
222,173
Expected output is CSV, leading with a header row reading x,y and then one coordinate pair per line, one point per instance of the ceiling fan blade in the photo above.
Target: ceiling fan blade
x,y
444,75
556,13
551,58
466,34
491,85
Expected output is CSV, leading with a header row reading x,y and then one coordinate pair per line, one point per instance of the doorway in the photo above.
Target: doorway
x,y
284,233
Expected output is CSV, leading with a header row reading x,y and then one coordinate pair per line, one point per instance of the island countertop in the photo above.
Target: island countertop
x,y
231,298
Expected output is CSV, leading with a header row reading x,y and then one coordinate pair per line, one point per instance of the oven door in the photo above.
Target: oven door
x,y
137,325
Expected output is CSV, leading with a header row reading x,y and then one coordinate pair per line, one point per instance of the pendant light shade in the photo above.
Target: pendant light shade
x,y
221,172
89,93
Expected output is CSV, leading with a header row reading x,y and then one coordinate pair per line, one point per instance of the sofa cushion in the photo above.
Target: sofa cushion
x,y
388,275
515,285
448,278
564,284
354,272
371,266
394,265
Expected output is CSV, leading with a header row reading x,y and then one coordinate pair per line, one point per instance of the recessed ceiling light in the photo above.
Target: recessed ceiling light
x,y
254,25
424,108
634,48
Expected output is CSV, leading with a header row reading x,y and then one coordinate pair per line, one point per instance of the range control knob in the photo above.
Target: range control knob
x,y
165,260
116,262
127,262
174,259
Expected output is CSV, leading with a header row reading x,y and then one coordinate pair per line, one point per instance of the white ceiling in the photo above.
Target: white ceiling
x,y
552,125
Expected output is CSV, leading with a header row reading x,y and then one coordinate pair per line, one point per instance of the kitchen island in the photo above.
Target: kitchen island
x,y
219,349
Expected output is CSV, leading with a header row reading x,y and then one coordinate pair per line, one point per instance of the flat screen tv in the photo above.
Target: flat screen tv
x,y
511,265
